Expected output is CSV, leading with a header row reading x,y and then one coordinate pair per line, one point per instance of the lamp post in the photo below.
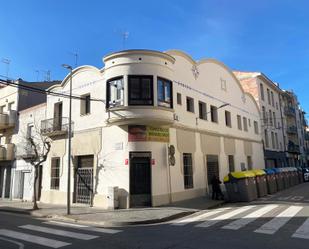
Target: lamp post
x,y
69,141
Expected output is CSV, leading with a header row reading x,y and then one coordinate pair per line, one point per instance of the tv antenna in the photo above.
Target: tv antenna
x,y
125,36
37,74
7,62
47,75
76,55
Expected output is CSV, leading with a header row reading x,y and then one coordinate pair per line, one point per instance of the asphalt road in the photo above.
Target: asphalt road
x,y
280,221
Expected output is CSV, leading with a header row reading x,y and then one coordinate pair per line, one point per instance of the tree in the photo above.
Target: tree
x,y
41,152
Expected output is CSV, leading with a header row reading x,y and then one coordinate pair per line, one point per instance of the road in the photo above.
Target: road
x,y
280,221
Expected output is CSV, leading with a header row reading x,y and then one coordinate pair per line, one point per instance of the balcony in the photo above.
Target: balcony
x,y
25,151
291,129
143,115
289,111
293,148
7,152
55,127
7,120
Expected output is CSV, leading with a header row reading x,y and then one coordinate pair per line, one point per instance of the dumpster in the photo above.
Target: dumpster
x,y
286,177
271,181
279,179
240,186
261,184
306,174
300,175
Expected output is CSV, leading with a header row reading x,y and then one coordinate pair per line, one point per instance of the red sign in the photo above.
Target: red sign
x,y
126,161
153,161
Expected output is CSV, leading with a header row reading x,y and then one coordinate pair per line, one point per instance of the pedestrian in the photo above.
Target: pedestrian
x,y
216,189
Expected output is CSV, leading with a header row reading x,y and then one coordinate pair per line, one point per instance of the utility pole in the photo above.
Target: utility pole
x,y
69,142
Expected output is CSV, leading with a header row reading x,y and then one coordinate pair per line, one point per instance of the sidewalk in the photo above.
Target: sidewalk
x,y
119,217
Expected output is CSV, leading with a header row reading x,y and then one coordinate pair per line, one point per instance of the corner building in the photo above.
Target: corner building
x,y
153,101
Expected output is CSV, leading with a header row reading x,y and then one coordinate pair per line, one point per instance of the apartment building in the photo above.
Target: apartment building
x,y
13,99
295,124
156,125
267,95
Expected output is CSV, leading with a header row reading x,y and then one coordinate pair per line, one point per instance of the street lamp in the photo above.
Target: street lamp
x,y
69,141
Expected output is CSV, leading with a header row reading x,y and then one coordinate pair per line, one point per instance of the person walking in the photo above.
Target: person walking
x,y
216,189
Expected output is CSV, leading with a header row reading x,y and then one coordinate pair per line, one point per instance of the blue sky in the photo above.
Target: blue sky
x,y
266,35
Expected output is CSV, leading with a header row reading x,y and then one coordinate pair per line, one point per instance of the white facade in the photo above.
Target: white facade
x,y
23,171
104,143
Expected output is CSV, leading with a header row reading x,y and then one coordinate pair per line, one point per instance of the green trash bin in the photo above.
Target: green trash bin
x,y
271,181
286,180
241,186
261,184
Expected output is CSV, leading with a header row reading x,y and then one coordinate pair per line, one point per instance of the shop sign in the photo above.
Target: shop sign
x,y
142,133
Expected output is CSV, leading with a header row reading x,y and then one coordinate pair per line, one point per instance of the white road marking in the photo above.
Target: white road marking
x,y
33,239
243,221
281,219
21,245
83,227
198,217
303,231
222,217
59,232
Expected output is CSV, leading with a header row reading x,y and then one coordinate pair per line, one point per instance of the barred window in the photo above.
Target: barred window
x,y
55,173
187,170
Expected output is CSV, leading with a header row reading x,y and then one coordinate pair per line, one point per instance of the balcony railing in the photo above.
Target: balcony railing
x,y
7,120
293,148
7,152
55,126
289,111
292,129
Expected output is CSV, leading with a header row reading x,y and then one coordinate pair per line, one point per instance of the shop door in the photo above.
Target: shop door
x,y
212,167
140,179
84,180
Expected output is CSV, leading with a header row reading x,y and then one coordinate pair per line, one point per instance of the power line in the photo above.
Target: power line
x,y
43,91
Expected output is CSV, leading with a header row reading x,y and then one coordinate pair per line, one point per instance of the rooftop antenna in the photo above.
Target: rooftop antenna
x,y
76,55
37,75
47,75
7,62
125,36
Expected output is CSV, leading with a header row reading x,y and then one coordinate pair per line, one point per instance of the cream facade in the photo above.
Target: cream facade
x,y
150,128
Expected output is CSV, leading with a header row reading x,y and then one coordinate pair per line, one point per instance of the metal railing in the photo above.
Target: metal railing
x,y
292,147
292,129
289,111
55,126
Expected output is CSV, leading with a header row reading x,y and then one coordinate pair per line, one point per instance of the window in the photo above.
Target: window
x,y
239,122
10,106
55,173
276,140
187,170
223,84
2,108
30,129
249,122
256,127
231,163
214,114
274,118
272,99
270,118
228,121
165,93
190,104
140,90
277,105
115,92
245,124
202,109
264,115
266,138
179,99
85,104
249,162
268,96
273,140
262,91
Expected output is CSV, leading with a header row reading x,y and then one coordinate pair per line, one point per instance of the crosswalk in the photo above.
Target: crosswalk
x,y
274,218
24,233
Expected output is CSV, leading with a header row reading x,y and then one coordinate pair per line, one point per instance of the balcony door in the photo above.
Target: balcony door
x,y
58,116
